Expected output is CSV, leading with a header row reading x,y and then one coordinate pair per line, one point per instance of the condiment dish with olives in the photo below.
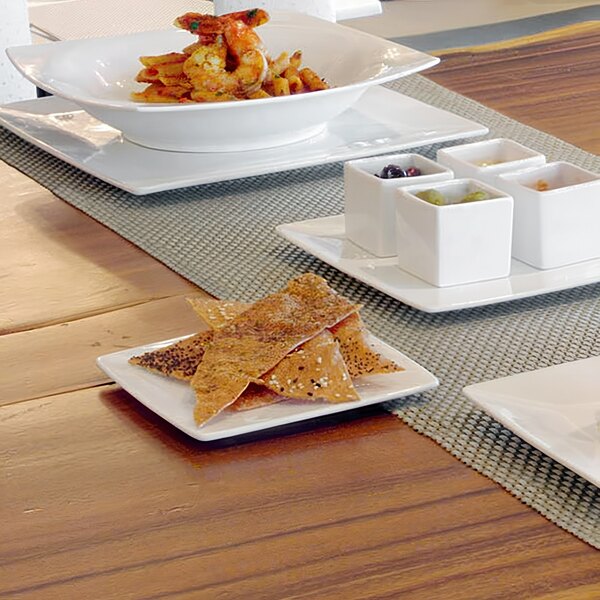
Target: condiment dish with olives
x,y
370,186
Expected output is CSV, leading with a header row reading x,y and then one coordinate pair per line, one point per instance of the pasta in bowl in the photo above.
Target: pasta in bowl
x,y
227,61
99,76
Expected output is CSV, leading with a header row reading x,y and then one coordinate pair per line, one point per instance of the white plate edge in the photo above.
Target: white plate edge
x,y
430,381
287,231
141,189
470,391
17,55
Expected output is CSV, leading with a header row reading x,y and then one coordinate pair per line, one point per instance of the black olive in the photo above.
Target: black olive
x,y
392,171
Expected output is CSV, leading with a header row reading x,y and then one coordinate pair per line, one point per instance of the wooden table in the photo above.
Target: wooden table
x,y
101,499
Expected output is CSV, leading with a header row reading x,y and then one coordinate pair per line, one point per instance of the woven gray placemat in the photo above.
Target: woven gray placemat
x,y
221,236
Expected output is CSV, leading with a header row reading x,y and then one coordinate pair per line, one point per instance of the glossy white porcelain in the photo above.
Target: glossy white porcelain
x,y
381,120
325,238
556,409
370,201
456,243
486,159
173,400
558,226
98,75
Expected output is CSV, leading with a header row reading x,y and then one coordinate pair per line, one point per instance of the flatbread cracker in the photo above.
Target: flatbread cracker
x,y
315,371
216,313
359,356
260,337
179,360
255,396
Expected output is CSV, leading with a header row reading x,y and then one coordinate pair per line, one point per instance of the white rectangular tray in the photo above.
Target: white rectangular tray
x,y
326,239
381,121
173,400
555,409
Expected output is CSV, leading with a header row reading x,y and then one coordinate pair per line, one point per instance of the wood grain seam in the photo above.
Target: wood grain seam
x,y
377,570
260,539
192,519
102,382
90,314
492,572
543,37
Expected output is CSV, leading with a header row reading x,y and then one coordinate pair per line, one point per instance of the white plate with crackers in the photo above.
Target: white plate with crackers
x,y
299,353
173,400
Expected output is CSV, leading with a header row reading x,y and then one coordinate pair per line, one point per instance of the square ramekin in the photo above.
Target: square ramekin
x,y
457,243
557,226
369,200
485,160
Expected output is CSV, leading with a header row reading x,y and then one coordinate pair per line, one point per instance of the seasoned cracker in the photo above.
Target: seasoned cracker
x,y
359,356
216,313
255,396
179,360
315,371
260,337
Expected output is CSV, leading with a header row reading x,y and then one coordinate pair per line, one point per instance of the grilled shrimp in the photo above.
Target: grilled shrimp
x,y
233,64
200,24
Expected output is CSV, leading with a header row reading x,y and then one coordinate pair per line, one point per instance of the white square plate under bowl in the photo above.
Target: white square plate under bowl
x,y
555,409
98,74
173,400
326,239
381,121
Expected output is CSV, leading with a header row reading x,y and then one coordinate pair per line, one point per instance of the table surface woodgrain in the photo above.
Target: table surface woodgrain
x,y
101,499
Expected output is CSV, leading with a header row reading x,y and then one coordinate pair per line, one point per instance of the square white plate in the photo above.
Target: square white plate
x,y
381,121
556,409
173,400
326,239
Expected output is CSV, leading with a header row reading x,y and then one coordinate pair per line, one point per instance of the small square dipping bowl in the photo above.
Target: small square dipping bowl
x,y
487,159
370,201
558,226
457,243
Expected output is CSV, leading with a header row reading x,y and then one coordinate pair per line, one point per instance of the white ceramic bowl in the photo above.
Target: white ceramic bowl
x,y
487,159
559,226
98,75
454,244
370,201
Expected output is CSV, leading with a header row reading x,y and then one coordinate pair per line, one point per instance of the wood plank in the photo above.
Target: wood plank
x,y
62,357
549,81
119,504
60,265
566,32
